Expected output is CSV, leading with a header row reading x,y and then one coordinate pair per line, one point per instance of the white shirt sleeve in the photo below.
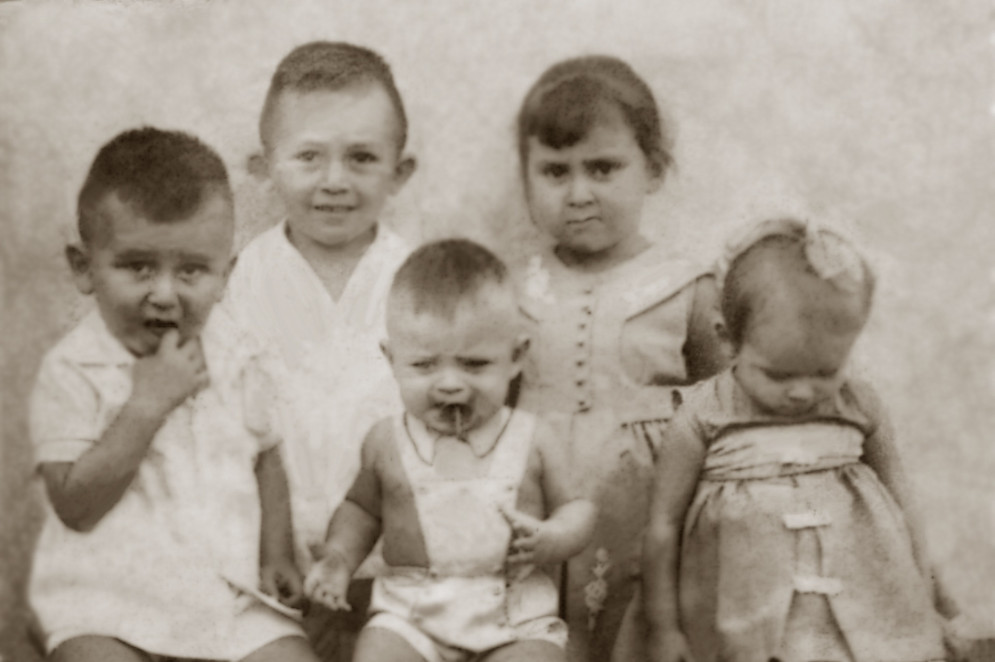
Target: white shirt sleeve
x,y
64,412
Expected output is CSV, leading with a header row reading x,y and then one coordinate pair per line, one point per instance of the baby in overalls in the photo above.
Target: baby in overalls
x,y
472,498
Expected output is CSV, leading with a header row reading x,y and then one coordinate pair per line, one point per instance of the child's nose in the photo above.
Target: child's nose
x,y
449,383
579,191
163,291
335,176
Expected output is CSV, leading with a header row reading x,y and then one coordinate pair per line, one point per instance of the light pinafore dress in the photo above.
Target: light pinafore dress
x,y
606,361
468,598
792,548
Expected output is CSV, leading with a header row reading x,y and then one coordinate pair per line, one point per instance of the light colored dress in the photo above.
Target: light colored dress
x,y
606,361
465,600
336,382
792,547
158,571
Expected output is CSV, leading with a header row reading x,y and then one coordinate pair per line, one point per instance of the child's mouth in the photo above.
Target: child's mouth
x,y
160,327
455,417
334,209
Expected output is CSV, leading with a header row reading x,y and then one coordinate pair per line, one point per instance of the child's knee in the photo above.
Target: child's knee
x,y
94,648
285,649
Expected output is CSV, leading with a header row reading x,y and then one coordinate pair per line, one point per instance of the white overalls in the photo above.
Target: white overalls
x,y
467,601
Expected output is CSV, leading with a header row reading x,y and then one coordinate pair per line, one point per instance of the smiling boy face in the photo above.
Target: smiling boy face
x,y
335,158
148,277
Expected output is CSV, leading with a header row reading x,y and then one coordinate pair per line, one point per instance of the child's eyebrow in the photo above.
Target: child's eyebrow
x,y
136,254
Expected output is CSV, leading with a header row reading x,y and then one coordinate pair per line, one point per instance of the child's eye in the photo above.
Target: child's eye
x,y
424,364
307,155
776,376
475,364
602,168
555,170
190,271
138,269
365,158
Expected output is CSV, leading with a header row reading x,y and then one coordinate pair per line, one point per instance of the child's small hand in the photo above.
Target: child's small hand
x,y
532,540
670,646
162,381
328,582
282,580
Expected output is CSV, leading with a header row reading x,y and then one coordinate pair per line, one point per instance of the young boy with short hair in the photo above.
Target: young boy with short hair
x,y
167,499
472,498
333,130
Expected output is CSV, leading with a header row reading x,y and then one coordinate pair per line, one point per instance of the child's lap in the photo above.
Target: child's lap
x,y
333,634
96,648
376,644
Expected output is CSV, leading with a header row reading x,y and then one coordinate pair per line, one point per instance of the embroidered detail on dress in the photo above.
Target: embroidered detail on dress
x,y
596,591
813,584
807,519
537,282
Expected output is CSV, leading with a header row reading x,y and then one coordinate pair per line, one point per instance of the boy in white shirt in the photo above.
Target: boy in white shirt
x,y
312,288
168,501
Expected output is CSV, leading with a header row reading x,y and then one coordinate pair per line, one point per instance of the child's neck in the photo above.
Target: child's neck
x,y
333,265
605,259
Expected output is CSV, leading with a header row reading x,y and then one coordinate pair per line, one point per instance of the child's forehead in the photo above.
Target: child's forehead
x,y
476,318
121,224
607,131
362,108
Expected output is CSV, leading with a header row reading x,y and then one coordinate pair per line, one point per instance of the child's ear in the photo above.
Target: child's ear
x,y
406,167
79,263
258,165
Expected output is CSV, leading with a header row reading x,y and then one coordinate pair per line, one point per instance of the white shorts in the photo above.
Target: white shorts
x,y
547,628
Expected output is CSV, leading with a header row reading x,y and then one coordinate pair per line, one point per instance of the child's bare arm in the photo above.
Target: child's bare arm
x,y
352,532
881,455
674,486
82,492
703,352
570,524
279,575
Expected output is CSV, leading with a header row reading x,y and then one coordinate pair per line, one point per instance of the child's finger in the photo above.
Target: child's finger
x,y
521,524
268,584
170,342
291,592
312,583
521,556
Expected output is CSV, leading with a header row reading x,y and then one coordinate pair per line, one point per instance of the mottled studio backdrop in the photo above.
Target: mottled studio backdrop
x,y
876,113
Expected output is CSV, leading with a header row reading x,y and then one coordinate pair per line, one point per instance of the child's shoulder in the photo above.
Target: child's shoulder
x,y
380,442
860,399
88,342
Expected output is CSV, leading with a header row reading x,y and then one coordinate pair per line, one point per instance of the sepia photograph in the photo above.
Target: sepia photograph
x,y
436,331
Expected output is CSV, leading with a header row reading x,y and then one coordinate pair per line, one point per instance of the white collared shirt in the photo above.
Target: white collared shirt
x,y
150,571
481,439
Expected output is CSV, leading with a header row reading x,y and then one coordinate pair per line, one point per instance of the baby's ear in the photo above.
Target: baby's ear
x,y
257,166
406,167
79,262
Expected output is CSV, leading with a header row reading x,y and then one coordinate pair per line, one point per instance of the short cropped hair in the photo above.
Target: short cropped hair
x,y
572,96
440,276
164,175
325,66
787,257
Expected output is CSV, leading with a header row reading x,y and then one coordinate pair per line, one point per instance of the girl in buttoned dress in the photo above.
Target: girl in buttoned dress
x,y
781,525
619,323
